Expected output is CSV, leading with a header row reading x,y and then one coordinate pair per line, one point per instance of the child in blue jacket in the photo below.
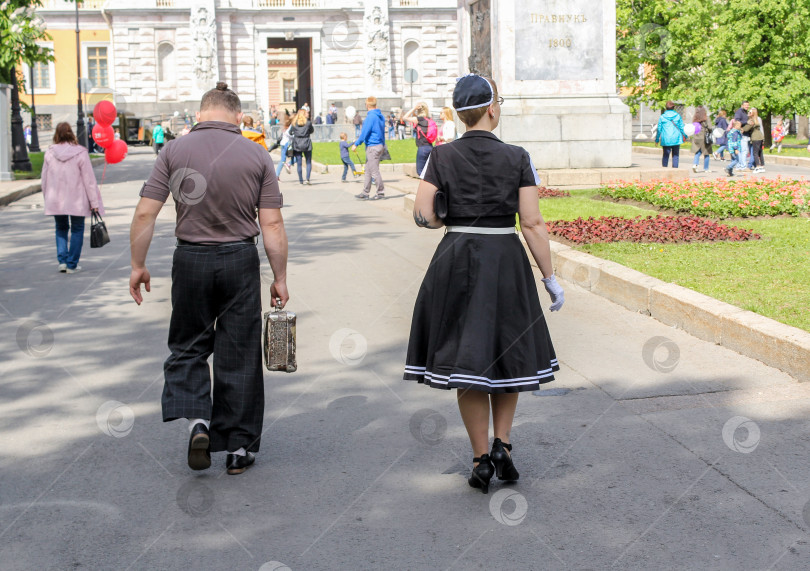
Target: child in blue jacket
x,y
344,156
734,145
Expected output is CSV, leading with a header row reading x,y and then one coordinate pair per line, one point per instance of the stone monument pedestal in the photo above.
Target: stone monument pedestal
x,y
554,62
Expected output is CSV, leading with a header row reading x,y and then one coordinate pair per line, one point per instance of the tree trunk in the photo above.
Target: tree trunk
x,y
766,127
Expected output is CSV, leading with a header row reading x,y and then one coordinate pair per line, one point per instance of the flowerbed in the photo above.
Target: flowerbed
x,y
720,198
545,192
660,229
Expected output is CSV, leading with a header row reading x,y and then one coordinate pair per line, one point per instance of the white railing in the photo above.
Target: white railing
x,y
288,4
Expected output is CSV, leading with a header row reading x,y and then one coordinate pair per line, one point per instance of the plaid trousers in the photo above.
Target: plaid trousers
x,y
216,308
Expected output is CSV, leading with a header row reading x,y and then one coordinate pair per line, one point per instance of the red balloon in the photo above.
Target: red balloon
x,y
103,135
116,152
104,112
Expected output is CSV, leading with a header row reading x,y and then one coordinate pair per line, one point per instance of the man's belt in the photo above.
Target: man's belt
x,y
181,242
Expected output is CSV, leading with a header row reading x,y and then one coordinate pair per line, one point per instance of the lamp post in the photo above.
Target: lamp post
x,y
34,147
19,160
81,132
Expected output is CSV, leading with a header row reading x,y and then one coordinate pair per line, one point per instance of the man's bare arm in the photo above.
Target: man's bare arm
x,y
274,238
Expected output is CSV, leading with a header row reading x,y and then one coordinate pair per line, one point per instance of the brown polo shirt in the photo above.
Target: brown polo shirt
x,y
218,179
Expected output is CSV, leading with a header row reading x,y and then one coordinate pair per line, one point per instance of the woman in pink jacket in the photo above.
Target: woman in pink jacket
x,y
70,192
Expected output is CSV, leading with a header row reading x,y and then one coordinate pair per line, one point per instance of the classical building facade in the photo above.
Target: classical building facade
x,y
157,57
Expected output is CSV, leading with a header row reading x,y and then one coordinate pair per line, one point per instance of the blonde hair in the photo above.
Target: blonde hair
x,y
371,101
343,136
247,120
472,116
447,114
301,118
422,109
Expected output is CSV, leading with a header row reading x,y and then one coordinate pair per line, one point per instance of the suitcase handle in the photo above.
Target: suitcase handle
x,y
278,304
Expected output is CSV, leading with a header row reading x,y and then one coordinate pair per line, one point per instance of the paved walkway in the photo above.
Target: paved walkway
x,y
630,459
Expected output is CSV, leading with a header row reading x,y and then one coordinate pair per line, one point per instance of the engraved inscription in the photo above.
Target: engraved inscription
x,y
559,40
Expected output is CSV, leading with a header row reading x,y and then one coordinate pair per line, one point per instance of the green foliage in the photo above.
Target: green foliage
x,y
21,29
716,53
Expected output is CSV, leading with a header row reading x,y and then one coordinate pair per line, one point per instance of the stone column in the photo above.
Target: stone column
x,y
5,129
555,63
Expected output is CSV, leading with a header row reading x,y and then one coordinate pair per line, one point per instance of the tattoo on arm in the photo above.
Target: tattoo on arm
x,y
421,220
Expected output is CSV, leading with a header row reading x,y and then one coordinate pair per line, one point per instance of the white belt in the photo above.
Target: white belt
x,y
481,230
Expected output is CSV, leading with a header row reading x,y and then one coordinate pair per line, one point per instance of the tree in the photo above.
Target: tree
x,y
20,30
717,53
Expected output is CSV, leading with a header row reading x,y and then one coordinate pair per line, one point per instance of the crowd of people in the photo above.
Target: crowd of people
x,y
743,138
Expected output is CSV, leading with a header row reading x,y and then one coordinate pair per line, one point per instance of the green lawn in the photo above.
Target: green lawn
x,y
767,276
36,163
329,153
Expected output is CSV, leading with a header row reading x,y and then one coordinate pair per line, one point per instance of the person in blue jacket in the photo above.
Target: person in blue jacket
x,y
373,137
670,134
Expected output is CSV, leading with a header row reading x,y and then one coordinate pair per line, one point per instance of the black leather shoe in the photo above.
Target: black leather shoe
x,y
504,468
481,474
238,464
199,448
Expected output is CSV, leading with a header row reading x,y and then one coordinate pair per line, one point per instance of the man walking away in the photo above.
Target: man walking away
x,y
741,115
358,124
373,137
218,180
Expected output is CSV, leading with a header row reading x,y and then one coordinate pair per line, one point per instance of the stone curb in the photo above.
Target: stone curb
x,y
778,345
774,159
32,188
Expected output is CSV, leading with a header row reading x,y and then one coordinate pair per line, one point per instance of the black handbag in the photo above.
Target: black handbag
x,y
385,156
98,231
440,204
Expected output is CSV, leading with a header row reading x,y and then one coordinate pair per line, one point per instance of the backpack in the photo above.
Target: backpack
x,y
432,131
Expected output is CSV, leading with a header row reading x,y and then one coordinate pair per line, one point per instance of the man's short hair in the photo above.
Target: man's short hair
x,y
371,101
221,97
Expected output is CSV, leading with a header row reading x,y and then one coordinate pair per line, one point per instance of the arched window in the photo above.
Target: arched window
x,y
166,67
411,58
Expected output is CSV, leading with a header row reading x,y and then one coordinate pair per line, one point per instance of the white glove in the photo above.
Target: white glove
x,y
556,292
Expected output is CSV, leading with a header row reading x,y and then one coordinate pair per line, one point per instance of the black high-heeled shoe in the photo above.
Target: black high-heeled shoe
x,y
482,474
504,468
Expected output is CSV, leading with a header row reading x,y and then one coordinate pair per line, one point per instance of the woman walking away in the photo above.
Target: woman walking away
x,y
70,192
302,143
285,144
670,134
721,123
483,335
426,133
754,129
447,132
701,142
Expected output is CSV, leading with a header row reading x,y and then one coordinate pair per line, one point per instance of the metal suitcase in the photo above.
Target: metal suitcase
x,y
279,340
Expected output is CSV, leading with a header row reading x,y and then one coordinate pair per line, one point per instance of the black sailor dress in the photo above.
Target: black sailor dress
x,y
477,322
